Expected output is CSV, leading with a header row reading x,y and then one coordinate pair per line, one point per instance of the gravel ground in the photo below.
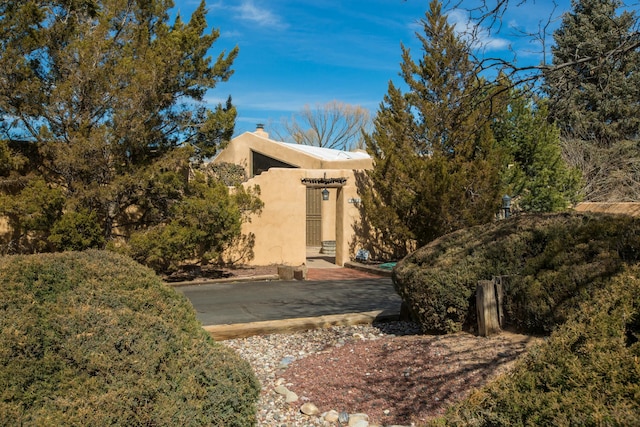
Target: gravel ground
x,y
270,355
387,371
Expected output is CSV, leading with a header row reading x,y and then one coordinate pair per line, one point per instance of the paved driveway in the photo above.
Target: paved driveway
x,y
227,303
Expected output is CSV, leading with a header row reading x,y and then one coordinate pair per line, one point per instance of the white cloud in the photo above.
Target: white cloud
x,y
232,35
248,11
480,37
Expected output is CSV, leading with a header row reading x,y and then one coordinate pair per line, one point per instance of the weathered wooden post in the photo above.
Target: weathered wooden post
x,y
487,307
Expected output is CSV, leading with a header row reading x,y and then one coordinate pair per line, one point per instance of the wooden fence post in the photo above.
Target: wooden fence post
x,y
488,308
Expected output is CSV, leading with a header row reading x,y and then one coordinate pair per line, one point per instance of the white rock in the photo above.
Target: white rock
x,y
331,416
291,397
354,420
361,423
309,409
281,390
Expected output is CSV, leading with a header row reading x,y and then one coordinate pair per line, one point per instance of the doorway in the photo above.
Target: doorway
x,y
318,255
314,217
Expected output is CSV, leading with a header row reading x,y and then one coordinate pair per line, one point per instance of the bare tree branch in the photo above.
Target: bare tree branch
x,y
486,17
333,125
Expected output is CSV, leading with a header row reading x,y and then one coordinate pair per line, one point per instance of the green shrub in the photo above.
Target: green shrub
x,y
77,231
552,261
93,338
203,225
587,373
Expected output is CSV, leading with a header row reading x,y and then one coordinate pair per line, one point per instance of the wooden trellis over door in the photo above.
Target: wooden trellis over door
x,y
314,216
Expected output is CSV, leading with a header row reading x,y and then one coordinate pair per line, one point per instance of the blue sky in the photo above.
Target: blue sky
x,y
310,52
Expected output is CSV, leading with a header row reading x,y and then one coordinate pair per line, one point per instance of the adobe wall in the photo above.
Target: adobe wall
x,y
281,228
626,208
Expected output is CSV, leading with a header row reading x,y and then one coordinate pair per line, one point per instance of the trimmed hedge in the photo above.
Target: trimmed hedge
x,y
553,262
586,374
94,338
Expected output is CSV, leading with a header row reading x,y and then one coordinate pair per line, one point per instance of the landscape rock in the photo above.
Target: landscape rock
x,y
291,397
280,389
286,361
309,409
331,416
355,420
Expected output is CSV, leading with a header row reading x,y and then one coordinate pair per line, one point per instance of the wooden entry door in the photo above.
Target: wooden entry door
x,y
314,216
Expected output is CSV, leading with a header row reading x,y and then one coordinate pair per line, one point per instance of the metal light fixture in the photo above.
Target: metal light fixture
x,y
325,194
506,205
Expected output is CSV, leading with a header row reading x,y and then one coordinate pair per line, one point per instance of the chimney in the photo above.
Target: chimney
x,y
260,131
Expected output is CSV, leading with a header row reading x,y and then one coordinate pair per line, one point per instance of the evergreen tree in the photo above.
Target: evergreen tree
x,y
534,173
594,83
594,90
109,93
435,160
389,192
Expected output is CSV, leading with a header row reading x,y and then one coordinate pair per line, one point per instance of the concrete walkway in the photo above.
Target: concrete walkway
x,y
322,267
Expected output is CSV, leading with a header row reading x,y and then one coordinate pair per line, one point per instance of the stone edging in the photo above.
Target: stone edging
x,y
243,330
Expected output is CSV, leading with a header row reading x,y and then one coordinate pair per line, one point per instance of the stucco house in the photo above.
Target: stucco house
x,y
309,196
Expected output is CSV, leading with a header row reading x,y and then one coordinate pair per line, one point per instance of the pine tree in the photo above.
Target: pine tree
x,y
594,83
534,174
110,93
435,158
594,91
389,192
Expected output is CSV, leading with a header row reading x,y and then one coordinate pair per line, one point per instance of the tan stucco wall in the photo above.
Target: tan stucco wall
x,y
627,208
280,230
